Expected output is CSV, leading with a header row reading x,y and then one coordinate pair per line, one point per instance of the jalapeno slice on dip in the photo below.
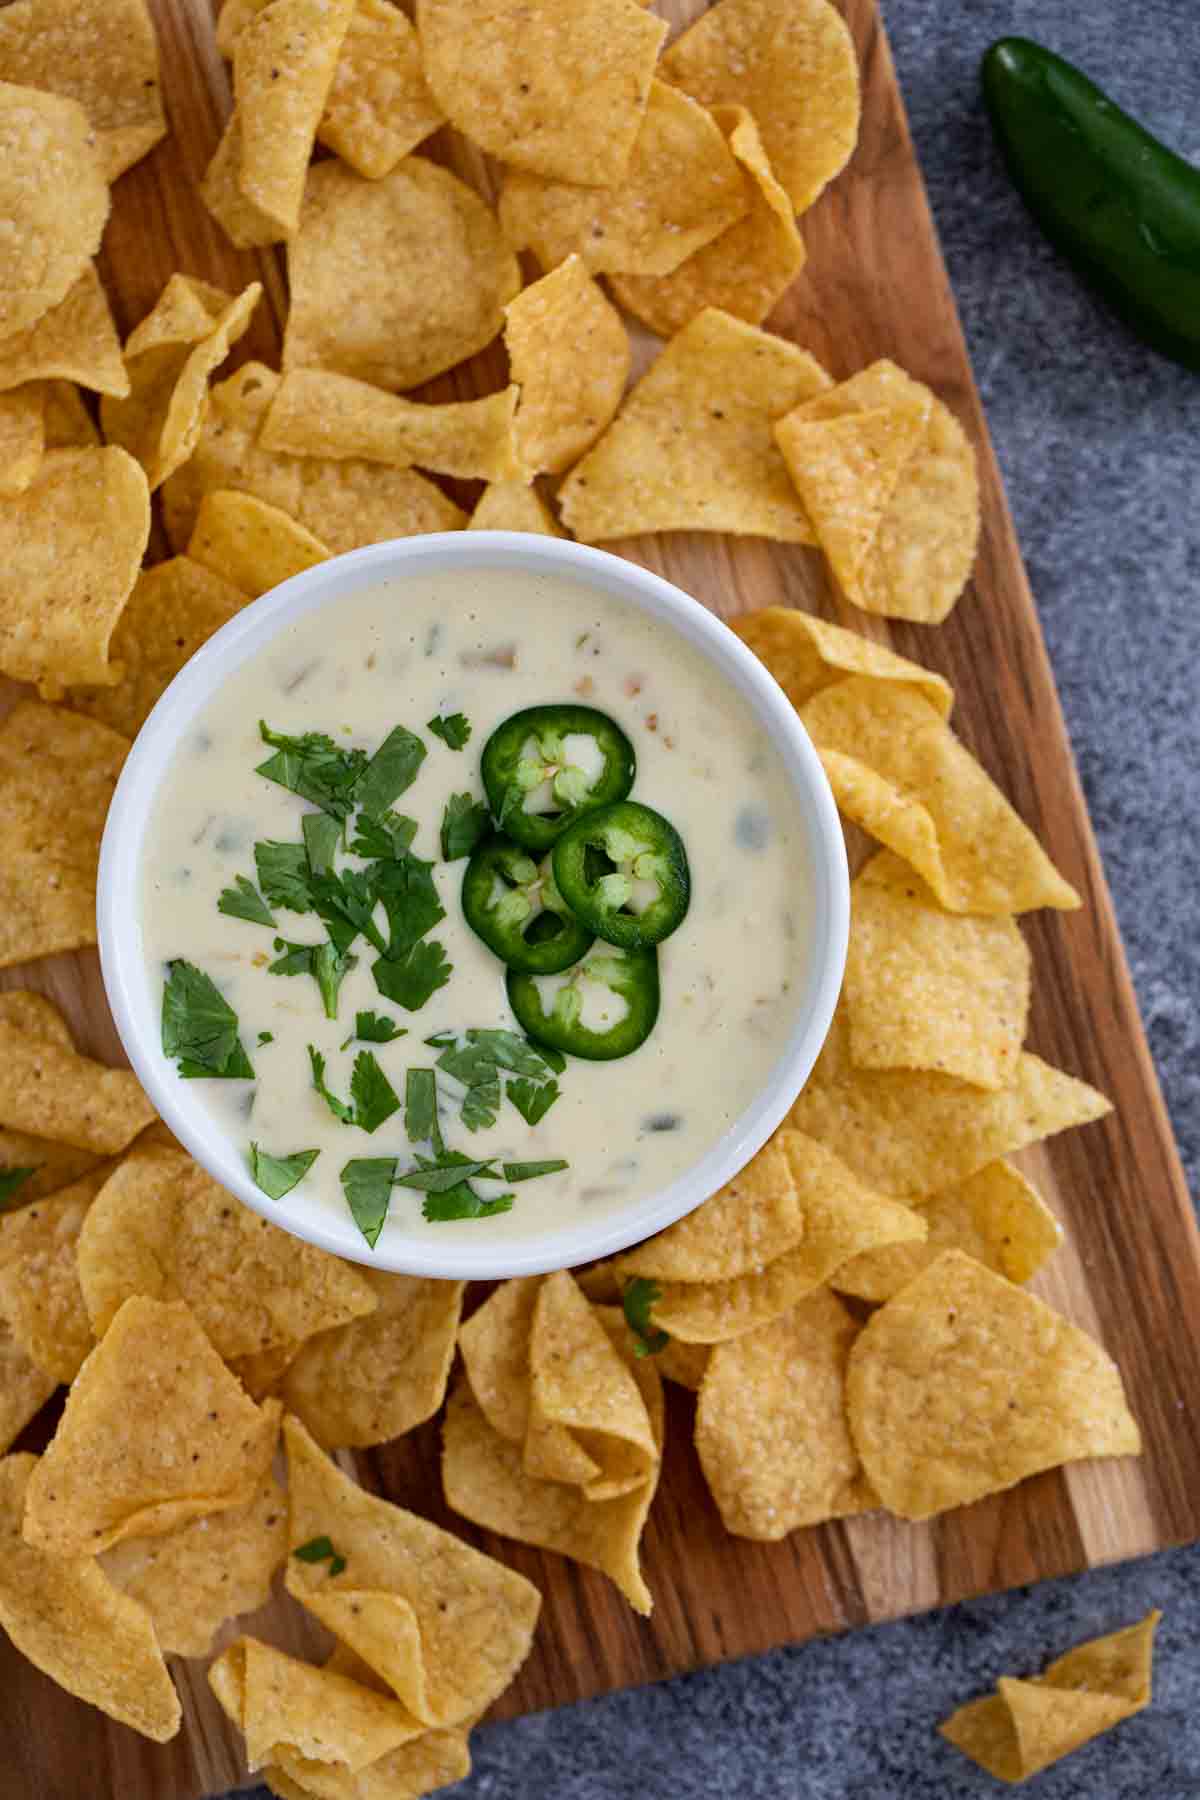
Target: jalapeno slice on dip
x,y
623,871
546,766
604,1008
513,904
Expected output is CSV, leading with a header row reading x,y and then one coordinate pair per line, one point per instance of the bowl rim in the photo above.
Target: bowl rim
x,y
133,998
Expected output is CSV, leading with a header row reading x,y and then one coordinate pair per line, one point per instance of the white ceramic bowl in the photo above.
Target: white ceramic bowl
x,y
134,990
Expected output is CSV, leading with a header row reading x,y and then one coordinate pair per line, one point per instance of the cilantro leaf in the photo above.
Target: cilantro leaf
x,y
463,1202
376,1028
510,1050
318,1550
367,1185
327,965
453,729
244,901
11,1181
278,1175
529,1171
266,1037
284,875
314,767
412,979
639,1297
420,1107
406,889
391,770
481,1102
533,1100
374,1097
447,1172
339,1108
322,835
348,900
387,836
199,1026
465,823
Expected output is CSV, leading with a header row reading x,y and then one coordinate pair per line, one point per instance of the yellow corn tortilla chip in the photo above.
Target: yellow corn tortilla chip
x,y
74,341
382,1374
897,770
911,1133
445,1626
276,1699
588,1421
691,448
261,1372
962,1385
283,65
806,654
24,1388
379,106
46,1083
69,424
53,199
343,504
194,1578
315,413
40,1294
569,354
1027,1725
174,608
52,1166
485,1482
751,1220
495,1349
434,1760
680,189
882,383
68,1619
162,1227
101,53
394,280
513,506
70,549
929,989
792,64
561,93
683,1363
994,1216
22,437
771,1430
744,270
249,544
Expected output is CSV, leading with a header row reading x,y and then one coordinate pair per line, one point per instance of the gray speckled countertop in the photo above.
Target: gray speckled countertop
x,y
1098,443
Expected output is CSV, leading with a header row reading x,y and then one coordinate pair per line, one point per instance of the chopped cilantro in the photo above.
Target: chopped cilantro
x,y
319,1550
462,1202
478,1063
243,901
284,875
341,1109
509,1050
420,1107
481,1102
322,835
639,1297
199,1026
440,1176
11,1182
387,836
391,770
278,1175
349,899
406,889
314,767
530,1171
533,1099
372,1096
465,823
375,1028
327,965
266,1037
453,729
367,1185
412,979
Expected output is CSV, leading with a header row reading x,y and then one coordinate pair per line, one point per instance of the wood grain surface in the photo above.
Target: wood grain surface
x,y
1130,1270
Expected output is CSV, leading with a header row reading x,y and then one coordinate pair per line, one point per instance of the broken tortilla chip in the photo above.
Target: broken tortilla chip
x,y
315,413
53,199
962,1385
249,544
806,654
75,341
22,437
513,506
379,106
569,354
750,1221
691,448
560,93
277,1700
40,1294
46,1085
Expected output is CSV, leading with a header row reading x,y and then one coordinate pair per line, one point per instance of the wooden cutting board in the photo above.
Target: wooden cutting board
x,y
1130,1271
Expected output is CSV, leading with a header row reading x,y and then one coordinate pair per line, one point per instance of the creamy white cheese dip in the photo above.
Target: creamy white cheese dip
x,y
487,644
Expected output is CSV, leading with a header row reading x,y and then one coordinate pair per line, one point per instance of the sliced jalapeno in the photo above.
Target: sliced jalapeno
x,y
513,904
623,871
548,765
605,1007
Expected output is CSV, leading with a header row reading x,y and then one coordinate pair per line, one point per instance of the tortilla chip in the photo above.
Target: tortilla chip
x,y
74,341
994,1216
194,1578
276,1699
1027,1725
683,1364
771,1430
928,989
174,608
51,1166
102,53
495,1351
22,437
315,413
513,506
383,1374
691,448
252,546
588,1422
283,65
897,770
24,1390
261,1372
569,353
911,1133
806,655
62,1613
40,1294
485,1482
70,549
394,280
434,1760
46,1083
69,424
53,199
445,1626
161,1227
57,774
744,270
962,1385
379,106
750,1221
792,64
680,189
560,93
